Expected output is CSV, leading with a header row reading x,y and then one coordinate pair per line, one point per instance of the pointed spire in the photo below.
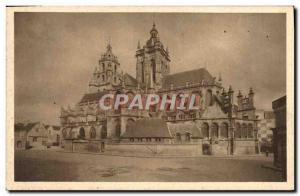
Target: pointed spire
x,y
220,77
108,47
240,94
153,31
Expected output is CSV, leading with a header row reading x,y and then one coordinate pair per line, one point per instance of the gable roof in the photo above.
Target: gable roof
x,y
25,127
192,77
148,127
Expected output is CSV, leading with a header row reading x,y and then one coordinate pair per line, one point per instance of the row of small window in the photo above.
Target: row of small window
x,y
147,139
182,116
103,78
109,65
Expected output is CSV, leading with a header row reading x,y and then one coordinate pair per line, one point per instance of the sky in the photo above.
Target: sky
x,y
56,53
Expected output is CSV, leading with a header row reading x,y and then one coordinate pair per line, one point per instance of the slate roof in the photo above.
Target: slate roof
x,y
129,80
92,97
185,128
148,127
192,76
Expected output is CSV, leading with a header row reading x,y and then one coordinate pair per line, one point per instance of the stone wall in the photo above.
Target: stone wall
x,y
82,145
221,148
241,147
244,147
155,149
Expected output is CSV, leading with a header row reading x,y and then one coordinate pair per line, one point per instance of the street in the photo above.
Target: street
x,y
51,165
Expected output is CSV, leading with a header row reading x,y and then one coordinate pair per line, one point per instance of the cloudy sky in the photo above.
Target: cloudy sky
x,y
55,53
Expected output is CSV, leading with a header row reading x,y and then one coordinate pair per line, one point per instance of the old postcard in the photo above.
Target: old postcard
x,y
150,98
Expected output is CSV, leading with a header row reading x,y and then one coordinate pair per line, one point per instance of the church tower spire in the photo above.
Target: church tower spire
x,y
152,61
107,73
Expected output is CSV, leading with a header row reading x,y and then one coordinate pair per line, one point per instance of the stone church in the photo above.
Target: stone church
x,y
226,122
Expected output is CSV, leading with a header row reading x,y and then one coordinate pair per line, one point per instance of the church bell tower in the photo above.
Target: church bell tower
x,y
107,73
153,61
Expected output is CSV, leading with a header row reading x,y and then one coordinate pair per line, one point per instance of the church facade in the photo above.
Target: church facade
x,y
225,123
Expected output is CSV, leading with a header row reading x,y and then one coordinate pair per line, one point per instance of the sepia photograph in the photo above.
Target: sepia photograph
x,y
150,98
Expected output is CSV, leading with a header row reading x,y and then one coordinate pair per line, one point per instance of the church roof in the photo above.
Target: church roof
x,y
192,77
92,97
148,127
129,80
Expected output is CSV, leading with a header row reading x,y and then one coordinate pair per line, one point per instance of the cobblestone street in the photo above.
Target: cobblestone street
x,y
50,165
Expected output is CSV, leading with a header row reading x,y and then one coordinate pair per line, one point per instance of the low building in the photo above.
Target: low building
x,y
30,135
20,135
37,136
279,133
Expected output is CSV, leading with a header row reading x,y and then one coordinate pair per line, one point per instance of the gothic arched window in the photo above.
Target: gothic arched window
x,y
93,133
187,137
153,66
224,130
208,98
178,137
244,131
143,79
64,133
237,131
103,132
118,130
214,130
250,131
82,133
205,130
